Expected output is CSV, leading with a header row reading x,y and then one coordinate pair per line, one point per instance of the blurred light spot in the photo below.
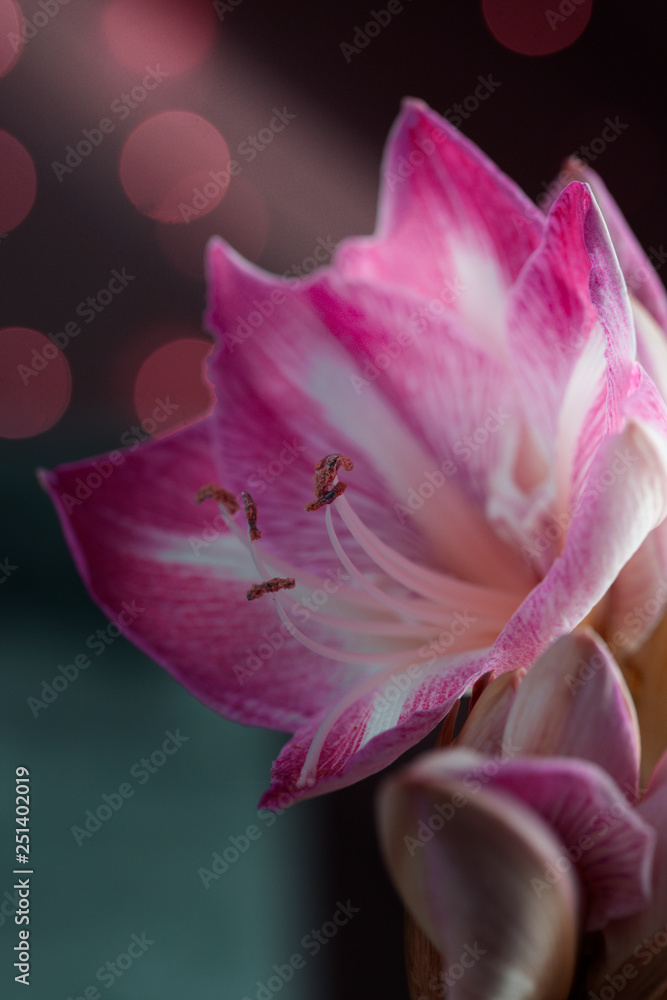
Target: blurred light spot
x,y
11,35
172,389
175,167
242,218
171,34
537,27
18,182
35,383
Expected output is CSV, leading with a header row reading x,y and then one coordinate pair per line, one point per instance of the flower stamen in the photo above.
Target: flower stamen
x,y
251,516
327,497
326,471
326,488
221,495
271,586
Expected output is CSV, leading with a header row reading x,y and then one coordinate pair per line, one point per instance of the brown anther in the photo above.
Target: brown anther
x,y
270,586
328,497
251,516
326,471
220,495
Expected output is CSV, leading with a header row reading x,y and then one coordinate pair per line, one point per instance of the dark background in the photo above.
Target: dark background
x,y
318,179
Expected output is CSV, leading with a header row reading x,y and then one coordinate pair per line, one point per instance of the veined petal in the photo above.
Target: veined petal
x,y
450,223
638,597
624,498
606,413
602,836
640,275
635,949
456,399
372,724
141,542
293,382
551,315
570,701
485,852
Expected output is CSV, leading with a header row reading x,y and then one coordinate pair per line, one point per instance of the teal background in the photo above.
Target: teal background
x,y
139,872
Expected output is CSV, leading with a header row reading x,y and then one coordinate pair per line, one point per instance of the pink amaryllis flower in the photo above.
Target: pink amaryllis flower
x,y
643,662
473,368
526,857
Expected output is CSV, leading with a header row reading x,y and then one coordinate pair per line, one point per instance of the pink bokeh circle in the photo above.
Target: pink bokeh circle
x,y
536,27
175,167
35,383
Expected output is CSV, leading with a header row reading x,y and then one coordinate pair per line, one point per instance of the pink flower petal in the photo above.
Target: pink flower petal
x,y
602,836
469,433
607,414
638,944
369,727
466,867
638,597
624,499
484,729
570,701
451,225
141,541
572,338
639,272
292,383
